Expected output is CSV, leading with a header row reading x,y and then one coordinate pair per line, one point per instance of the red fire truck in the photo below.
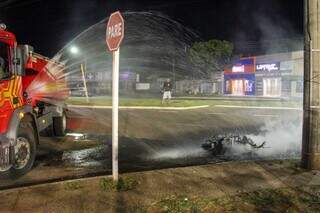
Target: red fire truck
x,y
32,93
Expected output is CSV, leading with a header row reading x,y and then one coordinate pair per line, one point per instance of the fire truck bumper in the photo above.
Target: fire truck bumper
x,y
5,150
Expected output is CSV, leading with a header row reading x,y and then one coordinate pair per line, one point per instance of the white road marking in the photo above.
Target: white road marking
x,y
258,107
138,107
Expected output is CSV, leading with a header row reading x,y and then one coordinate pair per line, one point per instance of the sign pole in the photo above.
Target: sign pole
x,y
115,112
114,37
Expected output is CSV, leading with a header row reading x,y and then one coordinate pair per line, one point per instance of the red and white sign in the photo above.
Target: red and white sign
x,y
238,68
114,37
115,31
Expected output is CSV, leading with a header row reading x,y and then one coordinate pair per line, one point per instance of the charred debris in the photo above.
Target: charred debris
x,y
219,144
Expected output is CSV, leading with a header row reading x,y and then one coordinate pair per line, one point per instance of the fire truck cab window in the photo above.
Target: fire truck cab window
x,y
4,66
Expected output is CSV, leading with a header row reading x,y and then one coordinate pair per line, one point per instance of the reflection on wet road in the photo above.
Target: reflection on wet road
x,y
133,154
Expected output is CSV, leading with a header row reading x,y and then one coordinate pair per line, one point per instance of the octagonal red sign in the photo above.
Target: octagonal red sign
x,y
115,31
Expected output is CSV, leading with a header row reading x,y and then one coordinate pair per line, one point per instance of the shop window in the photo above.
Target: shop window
x,y
238,87
272,87
228,87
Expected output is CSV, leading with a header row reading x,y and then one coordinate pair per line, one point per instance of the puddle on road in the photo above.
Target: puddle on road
x,y
279,139
81,137
76,136
138,154
135,153
87,157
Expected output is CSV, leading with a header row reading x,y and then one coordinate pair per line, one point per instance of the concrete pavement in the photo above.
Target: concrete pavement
x,y
207,182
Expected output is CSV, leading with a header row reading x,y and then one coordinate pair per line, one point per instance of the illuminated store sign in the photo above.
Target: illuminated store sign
x,y
238,68
268,67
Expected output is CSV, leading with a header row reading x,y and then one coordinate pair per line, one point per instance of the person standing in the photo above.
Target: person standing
x,y
167,88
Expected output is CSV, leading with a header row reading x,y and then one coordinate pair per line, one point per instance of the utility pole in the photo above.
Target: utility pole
x,y
311,108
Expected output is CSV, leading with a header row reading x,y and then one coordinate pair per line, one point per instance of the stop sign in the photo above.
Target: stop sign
x,y
115,31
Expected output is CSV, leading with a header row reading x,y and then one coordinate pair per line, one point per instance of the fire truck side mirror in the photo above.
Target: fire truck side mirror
x,y
18,62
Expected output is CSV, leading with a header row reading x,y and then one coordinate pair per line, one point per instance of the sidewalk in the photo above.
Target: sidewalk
x,y
231,98
161,190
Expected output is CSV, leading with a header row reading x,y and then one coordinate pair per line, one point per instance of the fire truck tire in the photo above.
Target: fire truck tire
x,y
59,125
25,150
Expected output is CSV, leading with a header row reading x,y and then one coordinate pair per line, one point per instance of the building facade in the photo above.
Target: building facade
x,y
280,75
274,75
239,80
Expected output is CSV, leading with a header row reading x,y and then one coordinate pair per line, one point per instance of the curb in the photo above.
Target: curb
x,y
138,107
258,107
53,182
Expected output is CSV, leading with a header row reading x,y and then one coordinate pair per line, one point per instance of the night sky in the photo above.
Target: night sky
x,y
49,25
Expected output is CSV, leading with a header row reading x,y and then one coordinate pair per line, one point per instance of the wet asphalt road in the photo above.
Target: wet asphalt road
x,y
149,139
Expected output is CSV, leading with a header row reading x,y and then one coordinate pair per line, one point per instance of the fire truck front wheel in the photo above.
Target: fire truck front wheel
x,y
25,150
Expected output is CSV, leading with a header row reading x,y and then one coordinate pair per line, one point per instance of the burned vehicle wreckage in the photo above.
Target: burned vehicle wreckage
x,y
220,145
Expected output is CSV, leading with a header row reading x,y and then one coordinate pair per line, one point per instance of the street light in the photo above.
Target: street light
x,y
75,51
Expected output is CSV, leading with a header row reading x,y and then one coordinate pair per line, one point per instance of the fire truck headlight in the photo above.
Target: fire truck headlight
x,y
3,26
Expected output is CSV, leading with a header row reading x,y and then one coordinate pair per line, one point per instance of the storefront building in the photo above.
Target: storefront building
x,y
279,75
239,80
268,79
274,75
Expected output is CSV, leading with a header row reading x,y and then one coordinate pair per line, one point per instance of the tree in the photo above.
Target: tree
x,y
210,56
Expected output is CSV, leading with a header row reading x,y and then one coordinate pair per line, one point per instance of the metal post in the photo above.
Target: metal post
x,y
115,110
311,110
84,81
